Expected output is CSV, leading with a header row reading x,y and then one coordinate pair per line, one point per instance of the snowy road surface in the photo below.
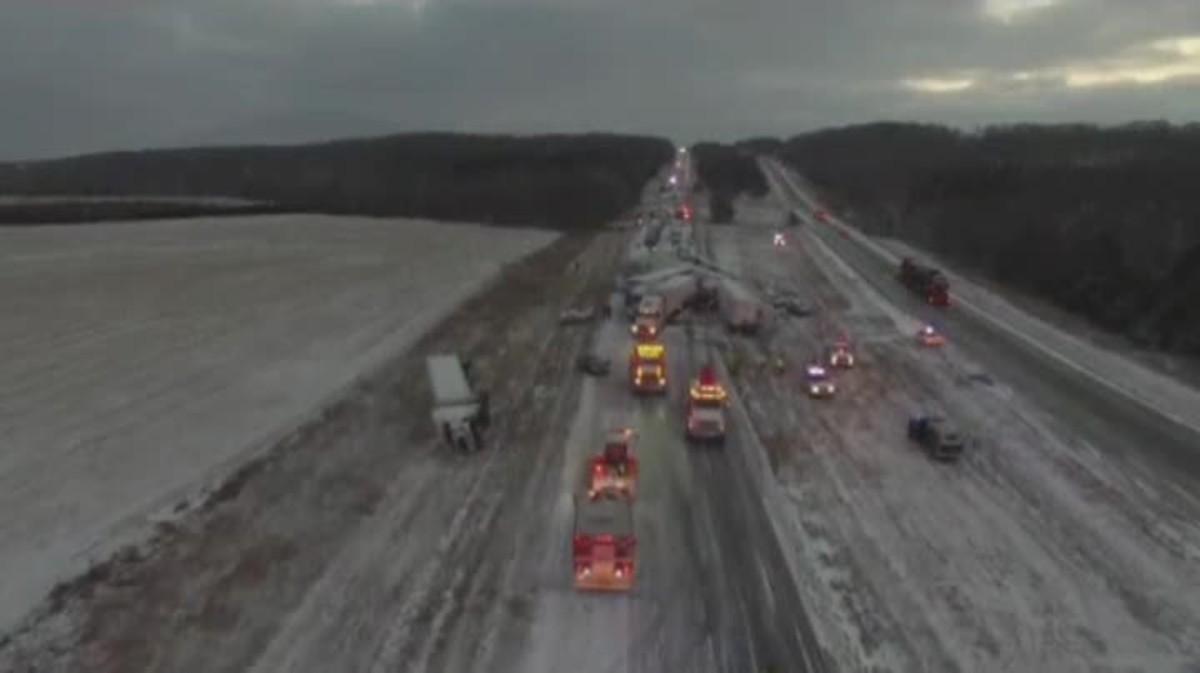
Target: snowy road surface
x,y
141,360
1065,540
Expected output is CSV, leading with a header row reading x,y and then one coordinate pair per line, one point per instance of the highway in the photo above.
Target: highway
x,y
817,539
1138,435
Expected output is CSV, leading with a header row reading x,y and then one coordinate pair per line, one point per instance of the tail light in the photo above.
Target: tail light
x,y
583,545
583,569
598,468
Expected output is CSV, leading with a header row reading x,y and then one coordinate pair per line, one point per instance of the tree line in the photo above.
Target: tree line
x,y
556,181
1102,221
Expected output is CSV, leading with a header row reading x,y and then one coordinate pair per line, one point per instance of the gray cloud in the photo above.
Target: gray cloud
x,y
84,75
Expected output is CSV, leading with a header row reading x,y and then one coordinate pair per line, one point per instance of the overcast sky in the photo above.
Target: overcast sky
x,y
85,75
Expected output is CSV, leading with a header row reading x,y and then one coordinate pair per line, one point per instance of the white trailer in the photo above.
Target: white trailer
x,y
676,293
740,309
459,413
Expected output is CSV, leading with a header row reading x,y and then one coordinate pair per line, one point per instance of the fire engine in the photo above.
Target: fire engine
x,y
604,547
648,368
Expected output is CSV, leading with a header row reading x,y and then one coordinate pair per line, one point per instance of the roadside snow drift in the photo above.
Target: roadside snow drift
x,y
143,361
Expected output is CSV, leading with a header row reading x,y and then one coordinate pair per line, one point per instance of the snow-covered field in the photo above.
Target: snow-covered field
x,y
141,362
213,201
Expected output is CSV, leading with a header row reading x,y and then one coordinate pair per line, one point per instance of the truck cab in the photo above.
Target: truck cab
x,y
706,403
604,547
940,439
648,368
614,472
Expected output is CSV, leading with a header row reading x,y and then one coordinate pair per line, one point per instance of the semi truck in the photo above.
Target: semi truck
x,y
928,282
740,309
648,368
706,408
459,412
604,546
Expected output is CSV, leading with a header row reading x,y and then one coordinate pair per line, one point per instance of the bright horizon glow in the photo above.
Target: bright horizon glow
x,y
939,85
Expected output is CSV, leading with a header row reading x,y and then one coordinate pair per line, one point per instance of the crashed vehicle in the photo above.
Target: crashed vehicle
x,y
818,382
929,337
707,399
595,365
613,473
841,355
939,439
604,547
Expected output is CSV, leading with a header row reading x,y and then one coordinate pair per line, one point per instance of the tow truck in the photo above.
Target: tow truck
x,y
840,355
706,408
604,547
614,472
820,384
929,337
648,367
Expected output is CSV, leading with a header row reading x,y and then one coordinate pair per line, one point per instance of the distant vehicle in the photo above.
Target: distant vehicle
x,y
614,472
604,546
929,337
648,368
459,413
926,281
820,384
780,240
823,215
941,440
841,355
595,365
793,219
706,408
